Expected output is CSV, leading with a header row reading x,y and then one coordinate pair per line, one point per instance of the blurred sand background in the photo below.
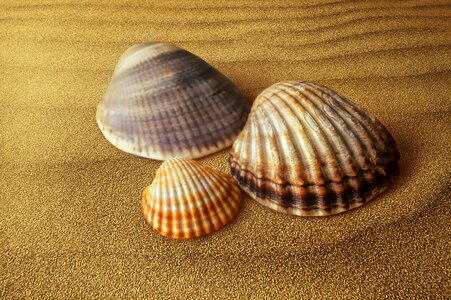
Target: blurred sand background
x,y
70,218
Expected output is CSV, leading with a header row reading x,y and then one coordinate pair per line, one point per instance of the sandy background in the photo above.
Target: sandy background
x,y
70,219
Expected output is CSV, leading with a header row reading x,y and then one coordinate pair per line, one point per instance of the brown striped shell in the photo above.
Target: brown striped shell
x,y
187,199
306,150
165,102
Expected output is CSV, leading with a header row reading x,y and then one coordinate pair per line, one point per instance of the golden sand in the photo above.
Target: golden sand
x,y
70,218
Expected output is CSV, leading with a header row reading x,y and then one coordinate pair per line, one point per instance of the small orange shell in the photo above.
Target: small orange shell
x,y
187,199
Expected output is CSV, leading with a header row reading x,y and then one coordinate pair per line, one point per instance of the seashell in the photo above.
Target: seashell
x,y
187,199
306,150
165,102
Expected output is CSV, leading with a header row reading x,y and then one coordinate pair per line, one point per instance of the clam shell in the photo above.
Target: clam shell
x,y
187,199
306,150
164,102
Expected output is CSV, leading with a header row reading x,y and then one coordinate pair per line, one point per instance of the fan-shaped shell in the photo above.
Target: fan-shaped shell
x,y
306,150
187,199
165,102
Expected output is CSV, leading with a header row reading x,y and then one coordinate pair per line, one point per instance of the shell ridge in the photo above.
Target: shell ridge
x,y
266,159
260,146
245,143
274,149
237,167
227,188
238,143
353,126
306,152
296,158
196,135
344,130
139,142
251,157
197,81
326,134
327,160
356,150
315,193
270,130
216,198
384,150
156,206
201,132
364,119
371,145
152,191
206,201
153,211
318,138
351,151
174,224
211,197
182,202
236,191
166,209
197,173
189,171
339,146
228,199
334,135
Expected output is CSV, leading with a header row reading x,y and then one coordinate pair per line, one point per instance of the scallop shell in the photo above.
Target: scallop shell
x,y
164,102
306,150
187,199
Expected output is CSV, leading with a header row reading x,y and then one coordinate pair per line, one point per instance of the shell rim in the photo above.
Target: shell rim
x,y
125,146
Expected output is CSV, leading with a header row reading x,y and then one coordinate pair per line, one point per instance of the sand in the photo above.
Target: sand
x,y
70,219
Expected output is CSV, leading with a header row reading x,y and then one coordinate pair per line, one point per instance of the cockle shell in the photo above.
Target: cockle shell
x,y
165,102
187,199
306,150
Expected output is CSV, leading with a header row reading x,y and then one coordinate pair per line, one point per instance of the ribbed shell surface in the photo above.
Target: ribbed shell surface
x,y
187,199
165,102
306,150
